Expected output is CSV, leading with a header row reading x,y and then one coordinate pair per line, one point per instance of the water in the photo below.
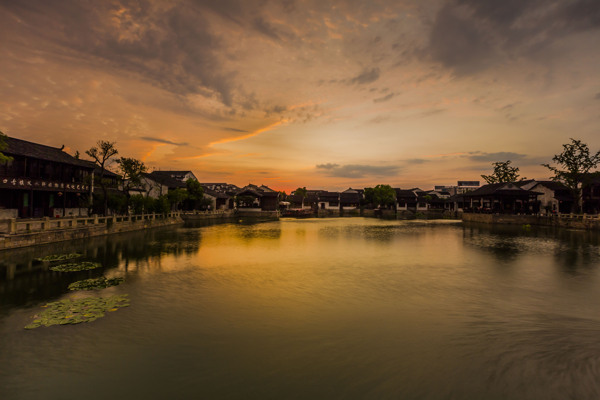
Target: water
x,y
305,309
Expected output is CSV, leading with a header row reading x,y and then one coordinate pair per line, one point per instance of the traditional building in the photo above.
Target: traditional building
x,y
181,176
259,198
554,197
350,199
329,200
43,181
505,197
405,199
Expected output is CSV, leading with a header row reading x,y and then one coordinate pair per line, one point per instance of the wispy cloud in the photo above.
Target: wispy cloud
x,y
356,170
249,135
494,157
384,98
165,141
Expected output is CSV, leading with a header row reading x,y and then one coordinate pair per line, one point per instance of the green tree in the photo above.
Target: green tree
x,y
101,154
574,165
503,172
176,198
195,194
3,157
132,171
380,196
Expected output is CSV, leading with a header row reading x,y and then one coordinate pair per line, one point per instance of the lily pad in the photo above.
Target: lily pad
x,y
59,257
71,267
95,283
68,311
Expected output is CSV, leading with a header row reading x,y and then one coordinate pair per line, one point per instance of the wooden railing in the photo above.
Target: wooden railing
x,y
17,226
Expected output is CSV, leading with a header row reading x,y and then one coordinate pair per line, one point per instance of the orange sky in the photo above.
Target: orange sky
x,y
307,93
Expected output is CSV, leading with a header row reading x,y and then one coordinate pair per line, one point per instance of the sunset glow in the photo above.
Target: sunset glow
x,y
326,95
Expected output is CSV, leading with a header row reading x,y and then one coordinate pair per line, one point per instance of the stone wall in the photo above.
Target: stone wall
x,y
578,222
81,232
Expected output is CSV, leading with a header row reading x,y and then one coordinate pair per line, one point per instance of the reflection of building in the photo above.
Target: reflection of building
x,y
42,181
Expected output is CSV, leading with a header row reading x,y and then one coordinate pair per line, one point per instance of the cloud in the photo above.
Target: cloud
x,y
236,130
494,157
165,141
366,76
356,170
469,36
384,98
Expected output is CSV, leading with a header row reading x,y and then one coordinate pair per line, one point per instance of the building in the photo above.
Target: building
x,y
257,198
43,181
554,197
181,176
350,199
503,198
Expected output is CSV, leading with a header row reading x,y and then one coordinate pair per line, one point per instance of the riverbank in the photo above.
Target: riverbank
x,y
31,232
572,221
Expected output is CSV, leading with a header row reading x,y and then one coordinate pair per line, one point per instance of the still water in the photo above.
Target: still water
x,y
314,309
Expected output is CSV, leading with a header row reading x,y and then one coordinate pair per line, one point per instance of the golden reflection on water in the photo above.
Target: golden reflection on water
x,y
327,308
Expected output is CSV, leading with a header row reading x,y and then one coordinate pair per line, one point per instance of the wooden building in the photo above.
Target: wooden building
x,y
503,198
43,181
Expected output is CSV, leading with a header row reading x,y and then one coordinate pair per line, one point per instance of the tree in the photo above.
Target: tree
x,y
503,172
380,196
195,194
573,169
132,171
176,197
3,158
102,153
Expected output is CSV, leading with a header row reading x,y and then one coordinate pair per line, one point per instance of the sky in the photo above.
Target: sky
x,y
294,93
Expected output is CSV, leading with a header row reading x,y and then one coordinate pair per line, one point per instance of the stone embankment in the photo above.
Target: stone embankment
x,y
572,221
15,233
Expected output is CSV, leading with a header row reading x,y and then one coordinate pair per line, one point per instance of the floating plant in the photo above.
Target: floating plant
x,y
68,311
59,257
95,283
71,267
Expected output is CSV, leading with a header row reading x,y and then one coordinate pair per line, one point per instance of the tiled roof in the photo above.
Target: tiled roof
x,y
18,147
166,180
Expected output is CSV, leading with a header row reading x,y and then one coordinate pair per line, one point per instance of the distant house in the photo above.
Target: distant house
x,y
350,199
223,193
43,181
259,198
181,176
165,178
296,201
149,187
591,194
460,188
329,200
405,199
554,197
311,201
501,198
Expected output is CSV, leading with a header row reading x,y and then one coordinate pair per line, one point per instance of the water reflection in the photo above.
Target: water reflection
x,y
328,308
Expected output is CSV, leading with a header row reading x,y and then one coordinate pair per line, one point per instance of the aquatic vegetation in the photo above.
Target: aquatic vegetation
x,y
95,283
59,257
72,267
69,311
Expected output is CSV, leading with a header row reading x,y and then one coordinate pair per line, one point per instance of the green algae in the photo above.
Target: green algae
x,y
67,312
72,267
95,283
59,257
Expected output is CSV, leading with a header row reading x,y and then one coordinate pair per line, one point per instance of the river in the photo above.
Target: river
x,y
344,308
